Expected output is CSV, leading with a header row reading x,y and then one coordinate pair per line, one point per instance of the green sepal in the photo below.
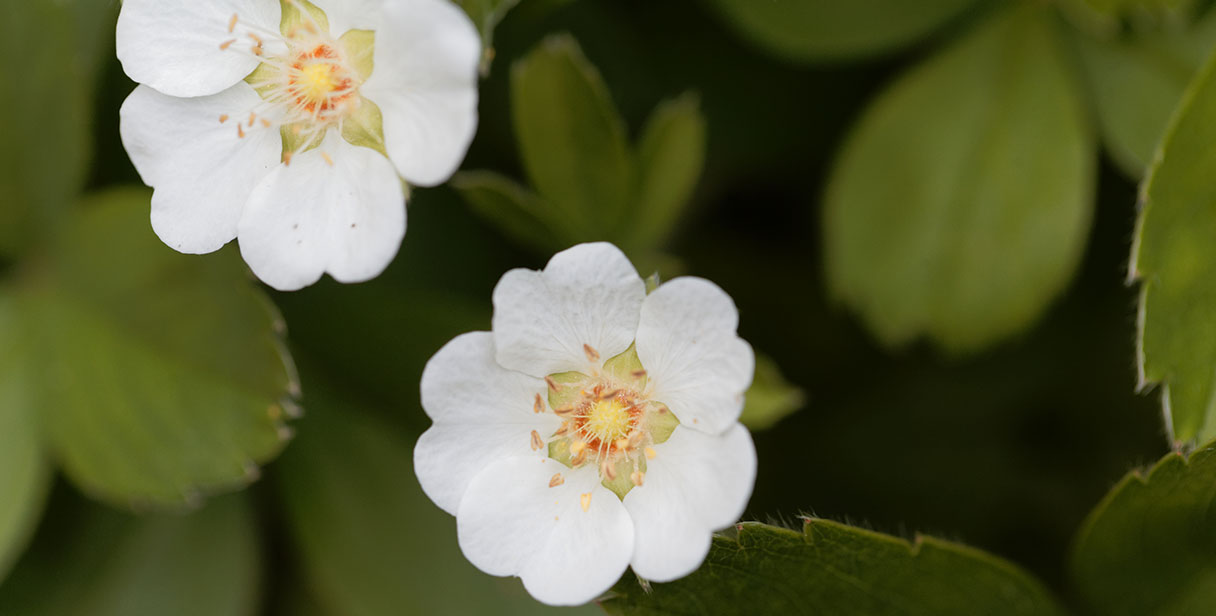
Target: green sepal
x,y
623,484
625,368
365,127
569,389
559,451
293,17
360,46
660,422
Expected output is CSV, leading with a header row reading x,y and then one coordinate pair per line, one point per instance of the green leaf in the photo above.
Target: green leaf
x,y
108,564
369,540
571,137
45,110
25,475
831,568
159,375
814,30
1174,258
512,208
771,398
1137,83
671,154
960,204
1150,546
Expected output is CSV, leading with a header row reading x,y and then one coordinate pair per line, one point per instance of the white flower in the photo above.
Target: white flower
x,y
556,441
289,123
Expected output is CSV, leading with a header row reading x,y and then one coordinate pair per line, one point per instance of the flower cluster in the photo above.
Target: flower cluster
x,y
595,428
291,124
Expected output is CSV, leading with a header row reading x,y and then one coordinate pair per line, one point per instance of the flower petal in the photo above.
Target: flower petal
x,y
337,208
346,15
697,364
511,522
425,82
174,45
202,172
482,412
587,295
697,483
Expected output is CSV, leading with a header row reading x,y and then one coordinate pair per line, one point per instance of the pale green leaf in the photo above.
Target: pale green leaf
x,y
53,50
671,154
959,206
1150,546
514,209
814,30
771,398
571,137
107,564
370,541
1174,258
158,375
1137,83
831,568
25,475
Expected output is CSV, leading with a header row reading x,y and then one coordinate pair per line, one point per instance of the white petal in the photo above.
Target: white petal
x,y
589,294
425,82
696,483
174,45
202,172
346,15
698,366
511,522
346,218
482,412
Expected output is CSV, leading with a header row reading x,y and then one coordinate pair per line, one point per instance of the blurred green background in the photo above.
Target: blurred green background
x,y
998,416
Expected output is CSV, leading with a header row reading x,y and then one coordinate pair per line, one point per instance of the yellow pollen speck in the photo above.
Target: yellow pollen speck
x,y
585,501
577,447
650,454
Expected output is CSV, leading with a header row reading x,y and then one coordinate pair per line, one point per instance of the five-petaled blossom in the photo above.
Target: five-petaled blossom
x,y
595,428
290,124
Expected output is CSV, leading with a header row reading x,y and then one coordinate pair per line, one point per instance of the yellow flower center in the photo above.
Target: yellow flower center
x,y
317,82
608,420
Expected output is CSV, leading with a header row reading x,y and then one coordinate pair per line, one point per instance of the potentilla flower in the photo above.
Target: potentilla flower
x,y
291,124
595,428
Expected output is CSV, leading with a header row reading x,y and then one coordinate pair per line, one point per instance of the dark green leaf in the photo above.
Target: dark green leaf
x,y
831,568
571,137
45,109
24,473
370,541
960,205
1150,546
770,397
1174,257
1137,83
671,154
159,375
810,30
107,564
513,208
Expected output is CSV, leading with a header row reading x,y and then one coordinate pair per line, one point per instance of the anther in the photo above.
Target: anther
x,y
650,454
538,405
240,132
253,117
554,385
287,158
579,459
226,44
607,469
637,374
609,394
265,122
329,161
223,118
621,443
565,427
637,477
563,411
592,354
577,447
556,480
536,442
585,501
635,438
232,23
